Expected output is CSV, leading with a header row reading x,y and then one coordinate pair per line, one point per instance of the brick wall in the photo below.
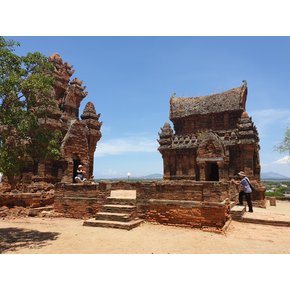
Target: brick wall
x,y
26,199
186,203
78,200
124,185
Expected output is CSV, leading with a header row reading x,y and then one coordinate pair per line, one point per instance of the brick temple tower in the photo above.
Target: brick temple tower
x,y
214,138
80,137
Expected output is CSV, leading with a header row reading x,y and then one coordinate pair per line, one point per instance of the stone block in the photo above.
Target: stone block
x,y
272,201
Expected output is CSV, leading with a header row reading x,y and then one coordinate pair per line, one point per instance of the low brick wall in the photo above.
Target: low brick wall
x,y
79,200
124,185
187,203
287,198
193,214
31,200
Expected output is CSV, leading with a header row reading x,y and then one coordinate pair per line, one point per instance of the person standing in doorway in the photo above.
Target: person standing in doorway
x,y
246,189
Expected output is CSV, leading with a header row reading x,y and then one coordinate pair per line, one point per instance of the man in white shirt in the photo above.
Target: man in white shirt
x,y
246,190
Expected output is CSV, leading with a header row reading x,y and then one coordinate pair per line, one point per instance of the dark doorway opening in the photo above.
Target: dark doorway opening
x,y
197,173
76,162
212,172
54,169
35,168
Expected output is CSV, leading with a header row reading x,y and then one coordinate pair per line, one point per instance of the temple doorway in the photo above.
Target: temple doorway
x,y
76,163
212,171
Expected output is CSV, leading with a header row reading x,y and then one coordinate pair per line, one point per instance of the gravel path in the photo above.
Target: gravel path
x,y
63,235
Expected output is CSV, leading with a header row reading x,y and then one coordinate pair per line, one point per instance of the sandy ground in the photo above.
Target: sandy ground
x,y
68,236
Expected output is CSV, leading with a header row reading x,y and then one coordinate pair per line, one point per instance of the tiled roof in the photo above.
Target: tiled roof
x,y
230,100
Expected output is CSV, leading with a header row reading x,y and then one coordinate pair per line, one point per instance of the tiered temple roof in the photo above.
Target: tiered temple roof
x,y
231,100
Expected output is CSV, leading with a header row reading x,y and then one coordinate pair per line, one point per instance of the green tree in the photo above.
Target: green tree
x,y
26,94
284,146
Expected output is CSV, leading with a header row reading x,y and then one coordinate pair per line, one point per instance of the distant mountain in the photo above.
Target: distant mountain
x,y
152,176
264,176
273,176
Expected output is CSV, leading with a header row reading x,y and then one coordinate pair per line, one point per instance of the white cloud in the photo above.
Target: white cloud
x,y
274,118
272,114
132,144
284,160
280,165
109,173
106,129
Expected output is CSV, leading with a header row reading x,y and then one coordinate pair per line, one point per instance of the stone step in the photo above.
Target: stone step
x,y
34,211
113,224
237,212
118,208
117,200
113,216
278,223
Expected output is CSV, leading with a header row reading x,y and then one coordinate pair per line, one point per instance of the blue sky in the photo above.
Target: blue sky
x,y
130,80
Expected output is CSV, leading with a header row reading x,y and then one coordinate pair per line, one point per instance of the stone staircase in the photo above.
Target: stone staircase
x,y
117,213
237,211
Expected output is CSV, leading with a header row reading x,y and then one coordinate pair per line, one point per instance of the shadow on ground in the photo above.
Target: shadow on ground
x,y
12,239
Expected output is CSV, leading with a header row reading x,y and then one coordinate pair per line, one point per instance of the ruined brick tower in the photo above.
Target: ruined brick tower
x,y
214,139
80,136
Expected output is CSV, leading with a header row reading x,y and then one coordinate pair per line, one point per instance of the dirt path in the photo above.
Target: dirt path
x,y
62,235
